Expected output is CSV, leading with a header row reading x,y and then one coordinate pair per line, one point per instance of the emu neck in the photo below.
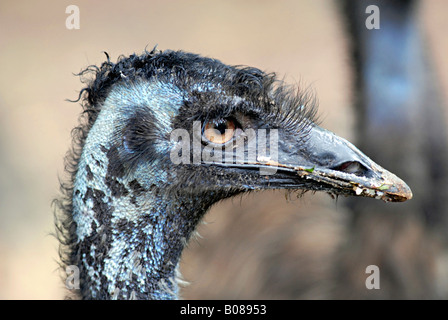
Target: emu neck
x,y
130,232
130,239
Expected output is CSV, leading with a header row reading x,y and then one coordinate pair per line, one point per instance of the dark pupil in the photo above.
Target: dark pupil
x,y
221,127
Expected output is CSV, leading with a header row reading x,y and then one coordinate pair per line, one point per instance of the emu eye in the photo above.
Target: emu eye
x,y
219,132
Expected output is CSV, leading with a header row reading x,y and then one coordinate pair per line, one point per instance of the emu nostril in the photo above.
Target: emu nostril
x,y
352,167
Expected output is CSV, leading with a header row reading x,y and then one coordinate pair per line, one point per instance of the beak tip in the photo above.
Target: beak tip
x,y
405,192
400,191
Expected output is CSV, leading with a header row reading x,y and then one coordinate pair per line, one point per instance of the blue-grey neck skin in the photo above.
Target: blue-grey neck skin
x,y
130,235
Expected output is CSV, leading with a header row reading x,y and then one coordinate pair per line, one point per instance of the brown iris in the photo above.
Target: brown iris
x,y
219,132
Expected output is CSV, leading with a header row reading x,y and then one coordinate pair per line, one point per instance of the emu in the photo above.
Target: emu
x,y
128,210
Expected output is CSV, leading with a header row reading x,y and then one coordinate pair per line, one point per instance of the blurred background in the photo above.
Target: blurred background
x,y
256,246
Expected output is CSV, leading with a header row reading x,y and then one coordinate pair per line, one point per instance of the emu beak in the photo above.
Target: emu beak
x,y
330,163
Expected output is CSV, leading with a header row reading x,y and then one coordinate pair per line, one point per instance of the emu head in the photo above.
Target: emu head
x,y
194,125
